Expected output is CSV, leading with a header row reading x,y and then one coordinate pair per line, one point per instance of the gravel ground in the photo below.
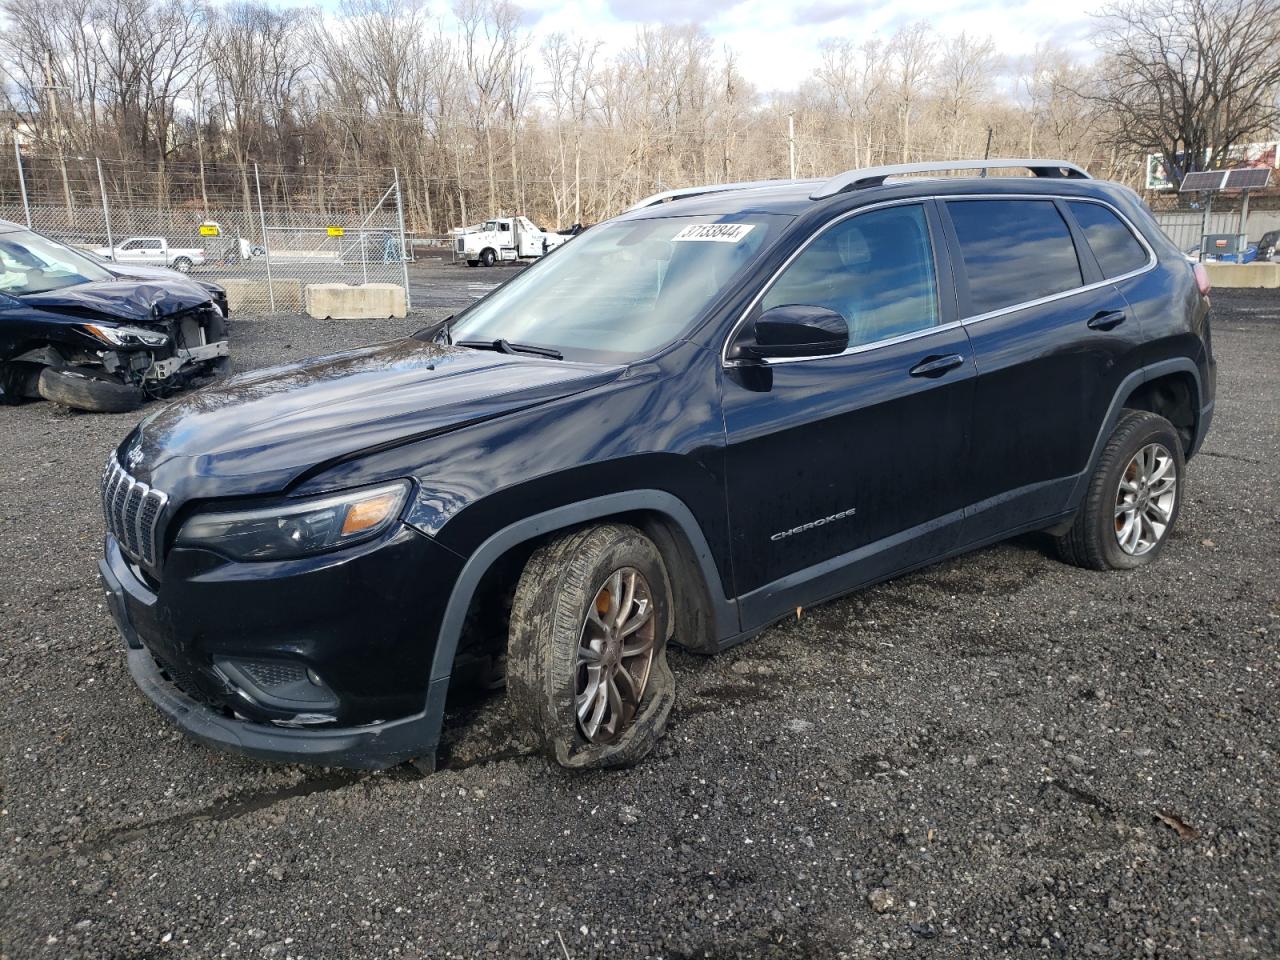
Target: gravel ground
x,y
1000,755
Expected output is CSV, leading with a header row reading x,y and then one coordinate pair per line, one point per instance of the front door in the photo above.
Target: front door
x,y
845,469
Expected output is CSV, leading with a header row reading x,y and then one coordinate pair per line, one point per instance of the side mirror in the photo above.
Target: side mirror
x,y
794,330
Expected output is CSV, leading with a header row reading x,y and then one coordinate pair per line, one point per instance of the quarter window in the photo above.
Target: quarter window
x,y
1014,251
874,269
1117,249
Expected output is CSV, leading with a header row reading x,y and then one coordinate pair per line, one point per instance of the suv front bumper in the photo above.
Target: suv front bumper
x,y
194,617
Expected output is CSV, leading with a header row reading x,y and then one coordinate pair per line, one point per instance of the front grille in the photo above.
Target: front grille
x,y
184,680
132,511
460,245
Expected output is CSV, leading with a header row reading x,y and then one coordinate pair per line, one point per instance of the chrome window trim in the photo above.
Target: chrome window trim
x,y
1151,264
859,348
1027,304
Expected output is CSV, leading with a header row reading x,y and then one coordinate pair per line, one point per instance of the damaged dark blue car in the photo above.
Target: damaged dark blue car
x,y
99,336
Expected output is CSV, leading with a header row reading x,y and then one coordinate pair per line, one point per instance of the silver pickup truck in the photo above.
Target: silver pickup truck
x,y
153,251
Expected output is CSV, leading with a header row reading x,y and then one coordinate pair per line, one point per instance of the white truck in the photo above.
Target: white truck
x,y
153,252
505,238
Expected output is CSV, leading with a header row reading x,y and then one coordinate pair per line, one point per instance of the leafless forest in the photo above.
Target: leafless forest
x,y
477,117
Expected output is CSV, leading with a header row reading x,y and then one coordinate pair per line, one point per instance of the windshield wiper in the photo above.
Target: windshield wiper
x,y
506,346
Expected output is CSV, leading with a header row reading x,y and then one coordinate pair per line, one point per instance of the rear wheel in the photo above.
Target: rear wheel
x,y
182,265
1133,499
587,666
83,388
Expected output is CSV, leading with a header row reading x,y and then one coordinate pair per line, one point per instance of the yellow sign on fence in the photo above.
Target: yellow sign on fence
x,y
209,230
336,231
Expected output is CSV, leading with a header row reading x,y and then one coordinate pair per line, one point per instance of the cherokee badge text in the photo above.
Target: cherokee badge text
x,y
814,523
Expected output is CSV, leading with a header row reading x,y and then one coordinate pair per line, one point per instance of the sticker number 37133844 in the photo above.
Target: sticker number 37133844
x,y
715,232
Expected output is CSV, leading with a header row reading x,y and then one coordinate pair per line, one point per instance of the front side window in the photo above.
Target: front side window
x,y
1014,251
624,289
134,245
1117,249
30,263
875,269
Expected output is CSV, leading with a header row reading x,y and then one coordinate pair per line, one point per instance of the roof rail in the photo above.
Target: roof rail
x,y
681,192
876,176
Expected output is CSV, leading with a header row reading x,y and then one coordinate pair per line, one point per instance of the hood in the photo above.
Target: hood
x,y
139,271
130,301
258,432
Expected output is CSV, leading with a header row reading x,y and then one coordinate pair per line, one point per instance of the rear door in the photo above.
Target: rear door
x,y
843,469
1048,335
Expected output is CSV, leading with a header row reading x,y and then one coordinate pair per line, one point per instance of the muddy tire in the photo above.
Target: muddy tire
x,y
1133,500
580,678
488,257
82,388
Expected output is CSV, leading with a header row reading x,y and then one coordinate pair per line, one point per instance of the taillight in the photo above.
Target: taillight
x,y
1202,278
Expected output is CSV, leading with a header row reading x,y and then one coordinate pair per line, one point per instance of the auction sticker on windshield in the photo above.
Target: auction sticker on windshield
x,y
716,232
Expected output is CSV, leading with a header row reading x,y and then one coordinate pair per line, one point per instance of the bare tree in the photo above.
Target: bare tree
x,y
911,53
1190,79
964,75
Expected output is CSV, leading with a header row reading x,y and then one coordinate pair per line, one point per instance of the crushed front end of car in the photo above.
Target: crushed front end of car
x,y
90,337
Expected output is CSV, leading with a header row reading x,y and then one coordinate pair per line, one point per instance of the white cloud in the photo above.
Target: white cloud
x,y
777,44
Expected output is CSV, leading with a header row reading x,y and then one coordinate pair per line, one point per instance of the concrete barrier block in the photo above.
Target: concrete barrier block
x,y
344,301
1236,276
253,294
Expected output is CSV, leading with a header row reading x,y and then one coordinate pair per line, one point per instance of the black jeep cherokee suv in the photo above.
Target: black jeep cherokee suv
x,y
725,404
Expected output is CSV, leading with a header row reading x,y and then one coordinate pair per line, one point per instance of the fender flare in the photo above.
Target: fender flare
x,y
482,558
1129,384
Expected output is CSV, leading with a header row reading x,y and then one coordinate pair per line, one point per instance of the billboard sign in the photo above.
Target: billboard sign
x,y
1245,155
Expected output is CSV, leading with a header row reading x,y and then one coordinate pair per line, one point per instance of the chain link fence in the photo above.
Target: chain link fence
x,y
277,233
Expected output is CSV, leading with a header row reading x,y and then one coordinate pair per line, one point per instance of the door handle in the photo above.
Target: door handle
x,y
936,366
1106,320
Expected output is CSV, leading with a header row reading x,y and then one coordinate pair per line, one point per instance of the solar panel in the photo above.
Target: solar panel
x,y
1248,178
1203,180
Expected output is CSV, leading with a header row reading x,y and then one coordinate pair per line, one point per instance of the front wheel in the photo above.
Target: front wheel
x,y
1134,497
473,263
587,670
488,257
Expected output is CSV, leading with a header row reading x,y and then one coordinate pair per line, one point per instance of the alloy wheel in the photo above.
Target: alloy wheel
x,y
1145,499
615,653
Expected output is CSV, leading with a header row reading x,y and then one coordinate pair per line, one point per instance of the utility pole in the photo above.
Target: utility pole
x,y
22,177
204,190
987,154
106,208
51,100
791,142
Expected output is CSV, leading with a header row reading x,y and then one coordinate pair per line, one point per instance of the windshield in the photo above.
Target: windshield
x,y
30,263
621,290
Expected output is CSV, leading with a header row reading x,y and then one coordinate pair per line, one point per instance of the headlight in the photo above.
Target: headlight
x,y
128,336
298,529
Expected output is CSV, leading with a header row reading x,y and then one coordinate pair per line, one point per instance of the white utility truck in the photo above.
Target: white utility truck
x,y
505,238
153,252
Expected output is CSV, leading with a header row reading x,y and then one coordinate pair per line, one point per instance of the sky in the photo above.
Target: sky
x,y
778,42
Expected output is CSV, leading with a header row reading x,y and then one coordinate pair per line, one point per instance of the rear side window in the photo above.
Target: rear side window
x,y
1014,251
874,269
1117,249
